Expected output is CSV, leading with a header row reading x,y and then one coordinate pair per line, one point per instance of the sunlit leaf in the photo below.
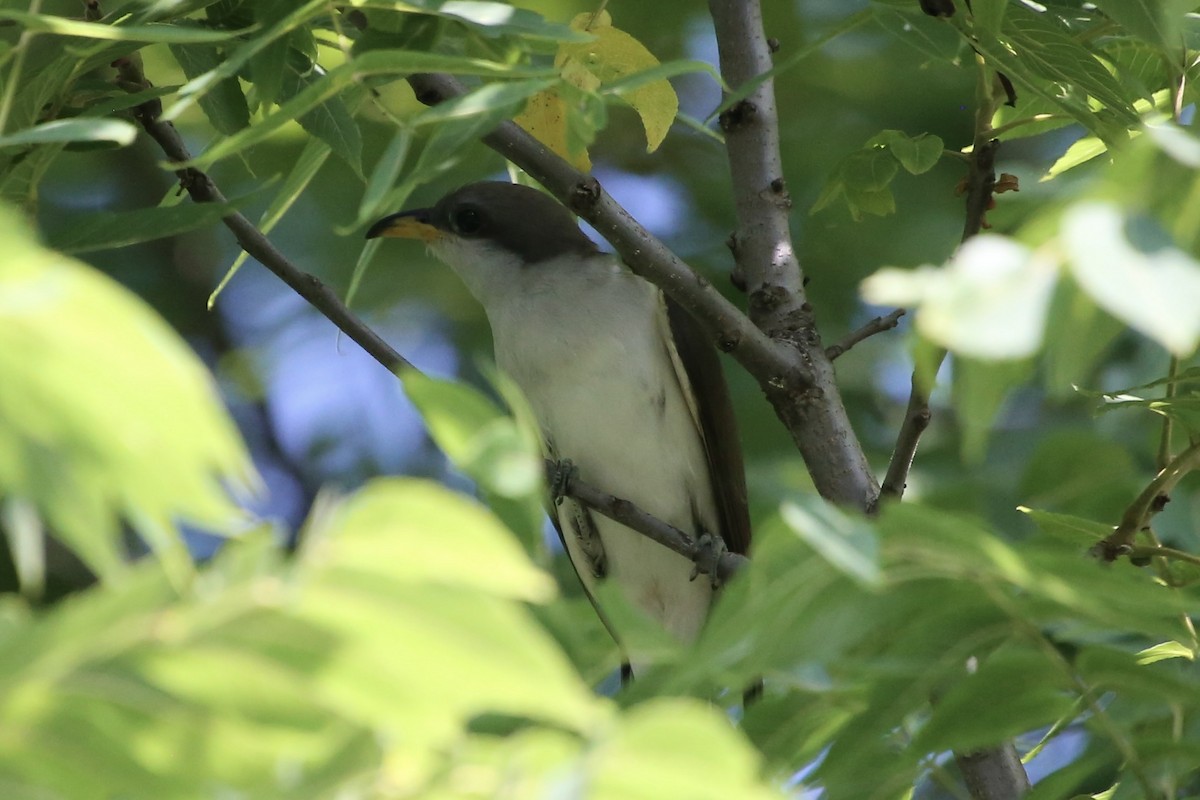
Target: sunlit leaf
x,y
615,55
62,26
73,130
989,301
1154,291
108,416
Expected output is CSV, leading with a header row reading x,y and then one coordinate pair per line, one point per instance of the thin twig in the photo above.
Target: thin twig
x,y
631,516
980,185
202,190
1148,502
877,325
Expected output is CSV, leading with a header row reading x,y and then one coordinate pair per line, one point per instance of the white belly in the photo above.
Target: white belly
x,y
606,395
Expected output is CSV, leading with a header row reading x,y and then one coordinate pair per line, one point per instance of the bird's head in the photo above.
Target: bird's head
x,y
491,233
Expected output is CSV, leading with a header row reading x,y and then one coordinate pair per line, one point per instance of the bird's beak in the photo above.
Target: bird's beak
x,y
413,224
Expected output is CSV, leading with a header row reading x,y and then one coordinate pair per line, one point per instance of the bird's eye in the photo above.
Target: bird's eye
x,y
467,221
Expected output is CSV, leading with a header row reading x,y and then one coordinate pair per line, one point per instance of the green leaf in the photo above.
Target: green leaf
x,y
1081,151
988,302
224,104
233,61
341,78
389,519
305,169
1155,21
989,14
1078,333
330,120
1155,292
73,130
1014,691
382,178
1068,528
150,34
676,747
1164,651
105,230
1045,43
848,542
493,101
917,154
980,388
476,435
108,416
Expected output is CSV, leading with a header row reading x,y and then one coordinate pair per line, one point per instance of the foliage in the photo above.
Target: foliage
x,y
413,644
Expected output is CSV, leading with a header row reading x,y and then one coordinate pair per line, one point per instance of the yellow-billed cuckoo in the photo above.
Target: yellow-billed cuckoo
x,y
623,384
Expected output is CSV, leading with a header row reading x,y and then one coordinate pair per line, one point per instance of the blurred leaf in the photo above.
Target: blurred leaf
x,y
980,388
1013,691
989,14
152,33
224,104
1156,292
676,748
847,542
1079,472
477,436
988,302
499,19
1155,21
108,414
1078,334
390,519
1071,529
104,230
73,130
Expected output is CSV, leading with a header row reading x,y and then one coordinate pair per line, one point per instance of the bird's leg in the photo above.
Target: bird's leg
x,y
559,477
707,556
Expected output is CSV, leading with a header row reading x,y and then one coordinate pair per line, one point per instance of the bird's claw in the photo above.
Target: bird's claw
x,y
707,557
559,475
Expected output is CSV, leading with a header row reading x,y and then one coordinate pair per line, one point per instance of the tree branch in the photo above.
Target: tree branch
x,y
631,516
766,260
642,251
1148,502
877,325
980,185
202,190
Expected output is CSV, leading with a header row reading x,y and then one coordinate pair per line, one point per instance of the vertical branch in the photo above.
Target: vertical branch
x,y
979,186
766,259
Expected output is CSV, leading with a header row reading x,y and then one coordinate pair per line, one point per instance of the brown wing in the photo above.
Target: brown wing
x,y
714,411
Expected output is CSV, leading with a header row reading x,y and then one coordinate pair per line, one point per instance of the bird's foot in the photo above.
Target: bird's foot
x,y
707,556
559,475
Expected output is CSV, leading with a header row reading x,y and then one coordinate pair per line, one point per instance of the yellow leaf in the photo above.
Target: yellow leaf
x,y
545,119
614,55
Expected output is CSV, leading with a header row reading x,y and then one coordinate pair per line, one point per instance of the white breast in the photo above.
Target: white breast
x,y
587,348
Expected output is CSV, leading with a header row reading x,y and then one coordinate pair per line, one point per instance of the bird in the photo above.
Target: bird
x,y
622,381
